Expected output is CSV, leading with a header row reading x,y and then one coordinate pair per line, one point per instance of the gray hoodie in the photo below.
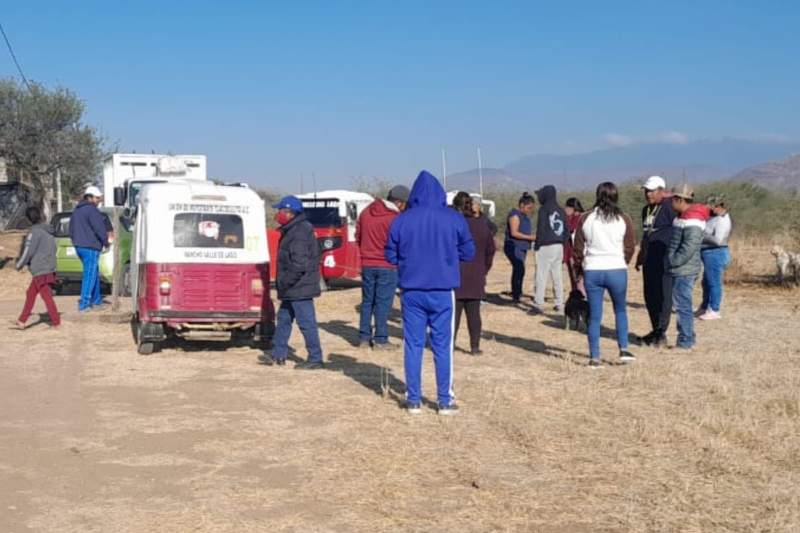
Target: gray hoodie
x,y
39,251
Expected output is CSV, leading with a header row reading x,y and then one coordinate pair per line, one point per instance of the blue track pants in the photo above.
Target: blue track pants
x,y
424,310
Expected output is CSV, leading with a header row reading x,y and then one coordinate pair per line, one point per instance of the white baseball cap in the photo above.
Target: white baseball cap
x,y
654,182
91,190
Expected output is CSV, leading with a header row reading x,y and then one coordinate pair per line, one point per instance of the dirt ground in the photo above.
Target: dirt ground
x,y
200,438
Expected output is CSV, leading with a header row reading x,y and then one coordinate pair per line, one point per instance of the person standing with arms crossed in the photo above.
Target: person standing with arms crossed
x,y
657,218
89,234
378,277
427,242
519,236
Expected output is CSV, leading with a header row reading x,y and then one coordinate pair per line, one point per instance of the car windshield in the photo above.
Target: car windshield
x,y
61,224
322,213
136,188
203,230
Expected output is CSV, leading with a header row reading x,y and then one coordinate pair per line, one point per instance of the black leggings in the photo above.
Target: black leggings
x,y
517,270
473,309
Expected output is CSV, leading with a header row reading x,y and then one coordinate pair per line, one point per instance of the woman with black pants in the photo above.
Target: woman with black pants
x,y
473,273
519,236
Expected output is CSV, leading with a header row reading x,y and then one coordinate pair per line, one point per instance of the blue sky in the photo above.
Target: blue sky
x,y
270,90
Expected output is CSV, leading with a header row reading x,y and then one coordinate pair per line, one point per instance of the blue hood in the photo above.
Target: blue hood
x,y
428,240
427,192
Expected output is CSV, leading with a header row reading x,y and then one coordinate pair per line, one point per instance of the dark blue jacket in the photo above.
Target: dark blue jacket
x,y
87,227
429,240
298,261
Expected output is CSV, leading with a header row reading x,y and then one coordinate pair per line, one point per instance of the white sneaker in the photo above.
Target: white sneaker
x,y
710,315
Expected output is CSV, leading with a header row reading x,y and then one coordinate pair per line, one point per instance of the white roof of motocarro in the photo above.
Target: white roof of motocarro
x,y
160,202
340,194
193,190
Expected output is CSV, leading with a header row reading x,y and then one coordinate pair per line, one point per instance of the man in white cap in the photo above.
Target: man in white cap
x,y
89,234
657,218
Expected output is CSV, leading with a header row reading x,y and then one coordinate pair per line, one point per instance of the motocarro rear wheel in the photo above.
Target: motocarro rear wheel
x,y
143,347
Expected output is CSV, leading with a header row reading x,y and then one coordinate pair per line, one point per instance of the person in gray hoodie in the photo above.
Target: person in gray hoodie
x,y
39,255
551,234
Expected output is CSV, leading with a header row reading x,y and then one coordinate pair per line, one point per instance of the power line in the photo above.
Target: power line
x,y
14,57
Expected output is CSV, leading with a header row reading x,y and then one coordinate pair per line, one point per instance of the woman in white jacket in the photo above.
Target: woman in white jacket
x,y
716,258
604,245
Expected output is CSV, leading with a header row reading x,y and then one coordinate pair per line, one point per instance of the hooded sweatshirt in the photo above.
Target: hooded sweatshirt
x,y
372,230
551,222
429,240
87,227
39,251
687,237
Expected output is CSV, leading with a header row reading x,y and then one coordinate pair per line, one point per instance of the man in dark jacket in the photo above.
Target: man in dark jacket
x,y
551,234
657,228
297,282
87,229
427,242
378,277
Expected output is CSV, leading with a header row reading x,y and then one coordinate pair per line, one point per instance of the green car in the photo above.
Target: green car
x,y
68,265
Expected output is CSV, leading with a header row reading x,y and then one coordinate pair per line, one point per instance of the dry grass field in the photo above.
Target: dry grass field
x,y
94,437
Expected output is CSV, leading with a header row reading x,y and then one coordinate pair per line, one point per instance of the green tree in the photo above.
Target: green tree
x,y
42,131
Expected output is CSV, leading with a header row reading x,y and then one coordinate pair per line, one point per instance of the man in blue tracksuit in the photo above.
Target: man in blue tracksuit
x,y
427,242
89,234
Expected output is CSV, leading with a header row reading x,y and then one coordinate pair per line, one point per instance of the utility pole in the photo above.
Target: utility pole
x,y
444,168
59,201
480,172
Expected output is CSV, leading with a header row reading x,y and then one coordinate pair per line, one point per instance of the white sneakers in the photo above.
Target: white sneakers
x,y
710,314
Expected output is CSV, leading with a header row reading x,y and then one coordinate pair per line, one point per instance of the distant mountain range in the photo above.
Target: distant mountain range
x,y
783,174
699,161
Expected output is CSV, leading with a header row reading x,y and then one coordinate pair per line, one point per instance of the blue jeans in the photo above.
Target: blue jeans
x,y
377,294
423,310
90,280
596,282
715,261
303,312
682,299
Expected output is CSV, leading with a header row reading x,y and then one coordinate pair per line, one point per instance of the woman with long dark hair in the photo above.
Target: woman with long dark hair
x,y
518,241
604,245
473,273
573,209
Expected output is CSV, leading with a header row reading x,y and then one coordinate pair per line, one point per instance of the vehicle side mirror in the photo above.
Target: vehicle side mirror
x,y
119,196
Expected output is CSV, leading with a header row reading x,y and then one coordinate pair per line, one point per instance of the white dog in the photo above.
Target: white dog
x,y
787,263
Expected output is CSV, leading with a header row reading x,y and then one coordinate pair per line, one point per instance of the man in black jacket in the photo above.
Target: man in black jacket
x,y
297,283
657,218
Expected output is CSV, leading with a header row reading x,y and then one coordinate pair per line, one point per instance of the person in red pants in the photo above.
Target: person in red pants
x,y
39,255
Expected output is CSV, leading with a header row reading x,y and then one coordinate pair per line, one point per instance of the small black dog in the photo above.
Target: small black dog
x,y
576,311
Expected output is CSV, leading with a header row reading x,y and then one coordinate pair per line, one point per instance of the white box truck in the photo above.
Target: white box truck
x,y
125,174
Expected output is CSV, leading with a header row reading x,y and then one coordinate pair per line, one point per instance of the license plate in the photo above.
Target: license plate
x,y
70,251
